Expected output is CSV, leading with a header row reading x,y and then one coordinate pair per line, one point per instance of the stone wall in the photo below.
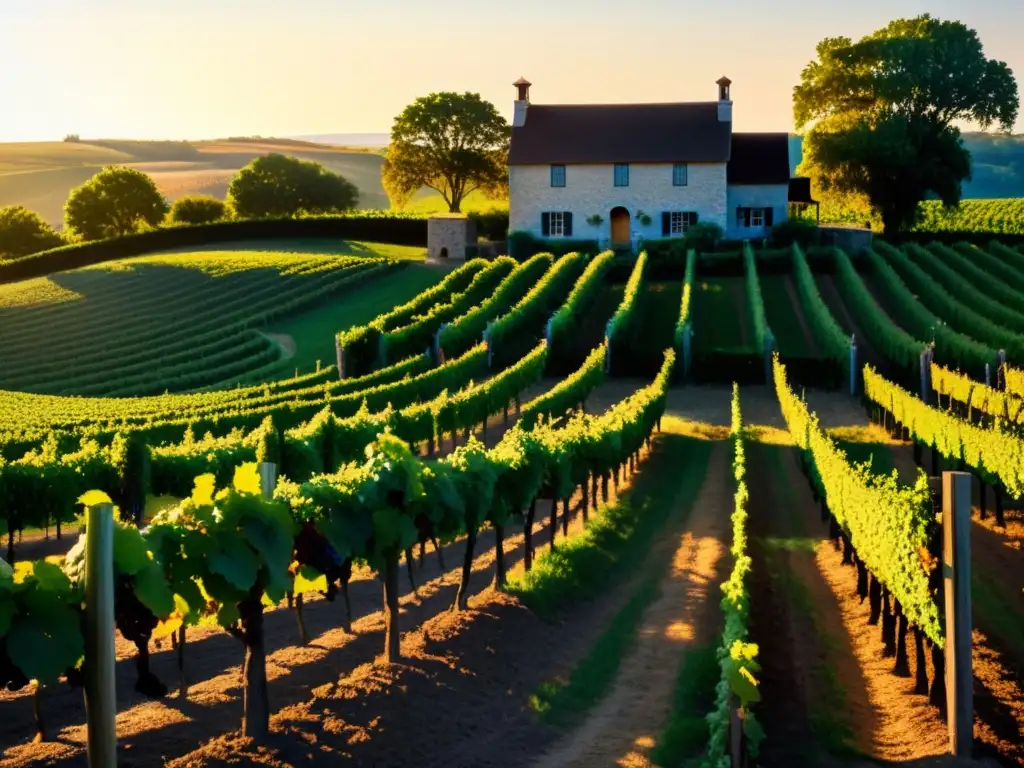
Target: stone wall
x,y
851,239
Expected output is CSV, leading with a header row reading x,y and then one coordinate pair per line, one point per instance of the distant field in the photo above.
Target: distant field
x,y
40,175
182,321
998,216
429,201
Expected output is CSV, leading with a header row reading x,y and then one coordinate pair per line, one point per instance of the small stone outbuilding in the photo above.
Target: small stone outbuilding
x,y
448,236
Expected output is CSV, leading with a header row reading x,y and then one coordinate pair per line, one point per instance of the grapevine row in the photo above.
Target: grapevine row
x,y
622,326
762,334
977,396
737,659
888,525
832,341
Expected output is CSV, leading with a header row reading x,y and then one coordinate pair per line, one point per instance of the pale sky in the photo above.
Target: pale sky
x,y
191,69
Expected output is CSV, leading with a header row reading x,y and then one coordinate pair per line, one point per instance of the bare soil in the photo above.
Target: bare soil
x,y
623,729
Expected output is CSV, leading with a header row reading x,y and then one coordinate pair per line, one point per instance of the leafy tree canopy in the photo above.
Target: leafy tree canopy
x,y
882,113
278,186
115,202
23,232
198,209
453,143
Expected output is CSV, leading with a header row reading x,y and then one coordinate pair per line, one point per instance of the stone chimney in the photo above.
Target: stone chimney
x,y
724,100
522,102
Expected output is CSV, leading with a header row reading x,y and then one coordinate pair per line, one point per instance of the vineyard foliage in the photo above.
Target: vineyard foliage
x,y
978,397
762,334
1014,381
936,260
888,524
950,346
566,322
891,341
684,324
737,658
996,456
833,342
997,291
623,324
950,310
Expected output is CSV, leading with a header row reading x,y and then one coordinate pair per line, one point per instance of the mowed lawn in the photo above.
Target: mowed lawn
x,y
314,331
315,245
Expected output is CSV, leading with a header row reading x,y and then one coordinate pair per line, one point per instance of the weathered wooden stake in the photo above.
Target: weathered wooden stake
x,y
956,570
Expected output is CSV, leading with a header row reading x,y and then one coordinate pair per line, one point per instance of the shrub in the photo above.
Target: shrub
x,y
198,209
523,244
492,225
667,251
114,202
276,185
702,236
23,232
800,231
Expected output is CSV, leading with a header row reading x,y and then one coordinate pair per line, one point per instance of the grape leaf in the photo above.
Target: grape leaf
x,y
153,592
50,576
247,479
348,531
202,492
228,615
270,541
44,647
6,572
235,562
7,611
130,550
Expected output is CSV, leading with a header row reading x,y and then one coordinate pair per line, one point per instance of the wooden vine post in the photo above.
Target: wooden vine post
x,y
956,572
100,691
853,364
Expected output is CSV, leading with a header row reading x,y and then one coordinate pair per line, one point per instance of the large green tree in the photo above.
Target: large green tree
x,y
882,114
23,232
453,143
276,186
115,202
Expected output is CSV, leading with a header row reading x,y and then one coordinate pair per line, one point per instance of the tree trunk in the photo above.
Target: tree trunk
x,y
862,578
902,666
604,488
408,571
423,553
300,620
440,553
565,516
888,626
506,415
182,682
983,502
392,647
528,535
1000,520
499,558
875,598
921,682
37,713
847,551
146,682
10,546
462,598
256,702
59,532
554,521
585,488
935,461
593,491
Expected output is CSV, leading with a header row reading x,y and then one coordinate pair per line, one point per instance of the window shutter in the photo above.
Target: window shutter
x,y
768,216
567,223
666,223
696,217
545,224
746,217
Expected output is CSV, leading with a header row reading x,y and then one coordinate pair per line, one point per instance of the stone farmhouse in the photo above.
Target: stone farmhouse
x,y
619,173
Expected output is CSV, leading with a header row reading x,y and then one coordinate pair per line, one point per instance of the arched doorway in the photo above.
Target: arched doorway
x,y
443,254
620,225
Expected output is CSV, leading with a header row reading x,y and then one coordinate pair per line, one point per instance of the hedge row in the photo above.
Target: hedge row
x,y
384,227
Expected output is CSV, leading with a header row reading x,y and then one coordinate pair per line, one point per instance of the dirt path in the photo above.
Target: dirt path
x,y
624,726
798,312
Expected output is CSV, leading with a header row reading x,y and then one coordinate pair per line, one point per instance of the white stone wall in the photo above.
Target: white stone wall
x,y
774,196
451,232
590,189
